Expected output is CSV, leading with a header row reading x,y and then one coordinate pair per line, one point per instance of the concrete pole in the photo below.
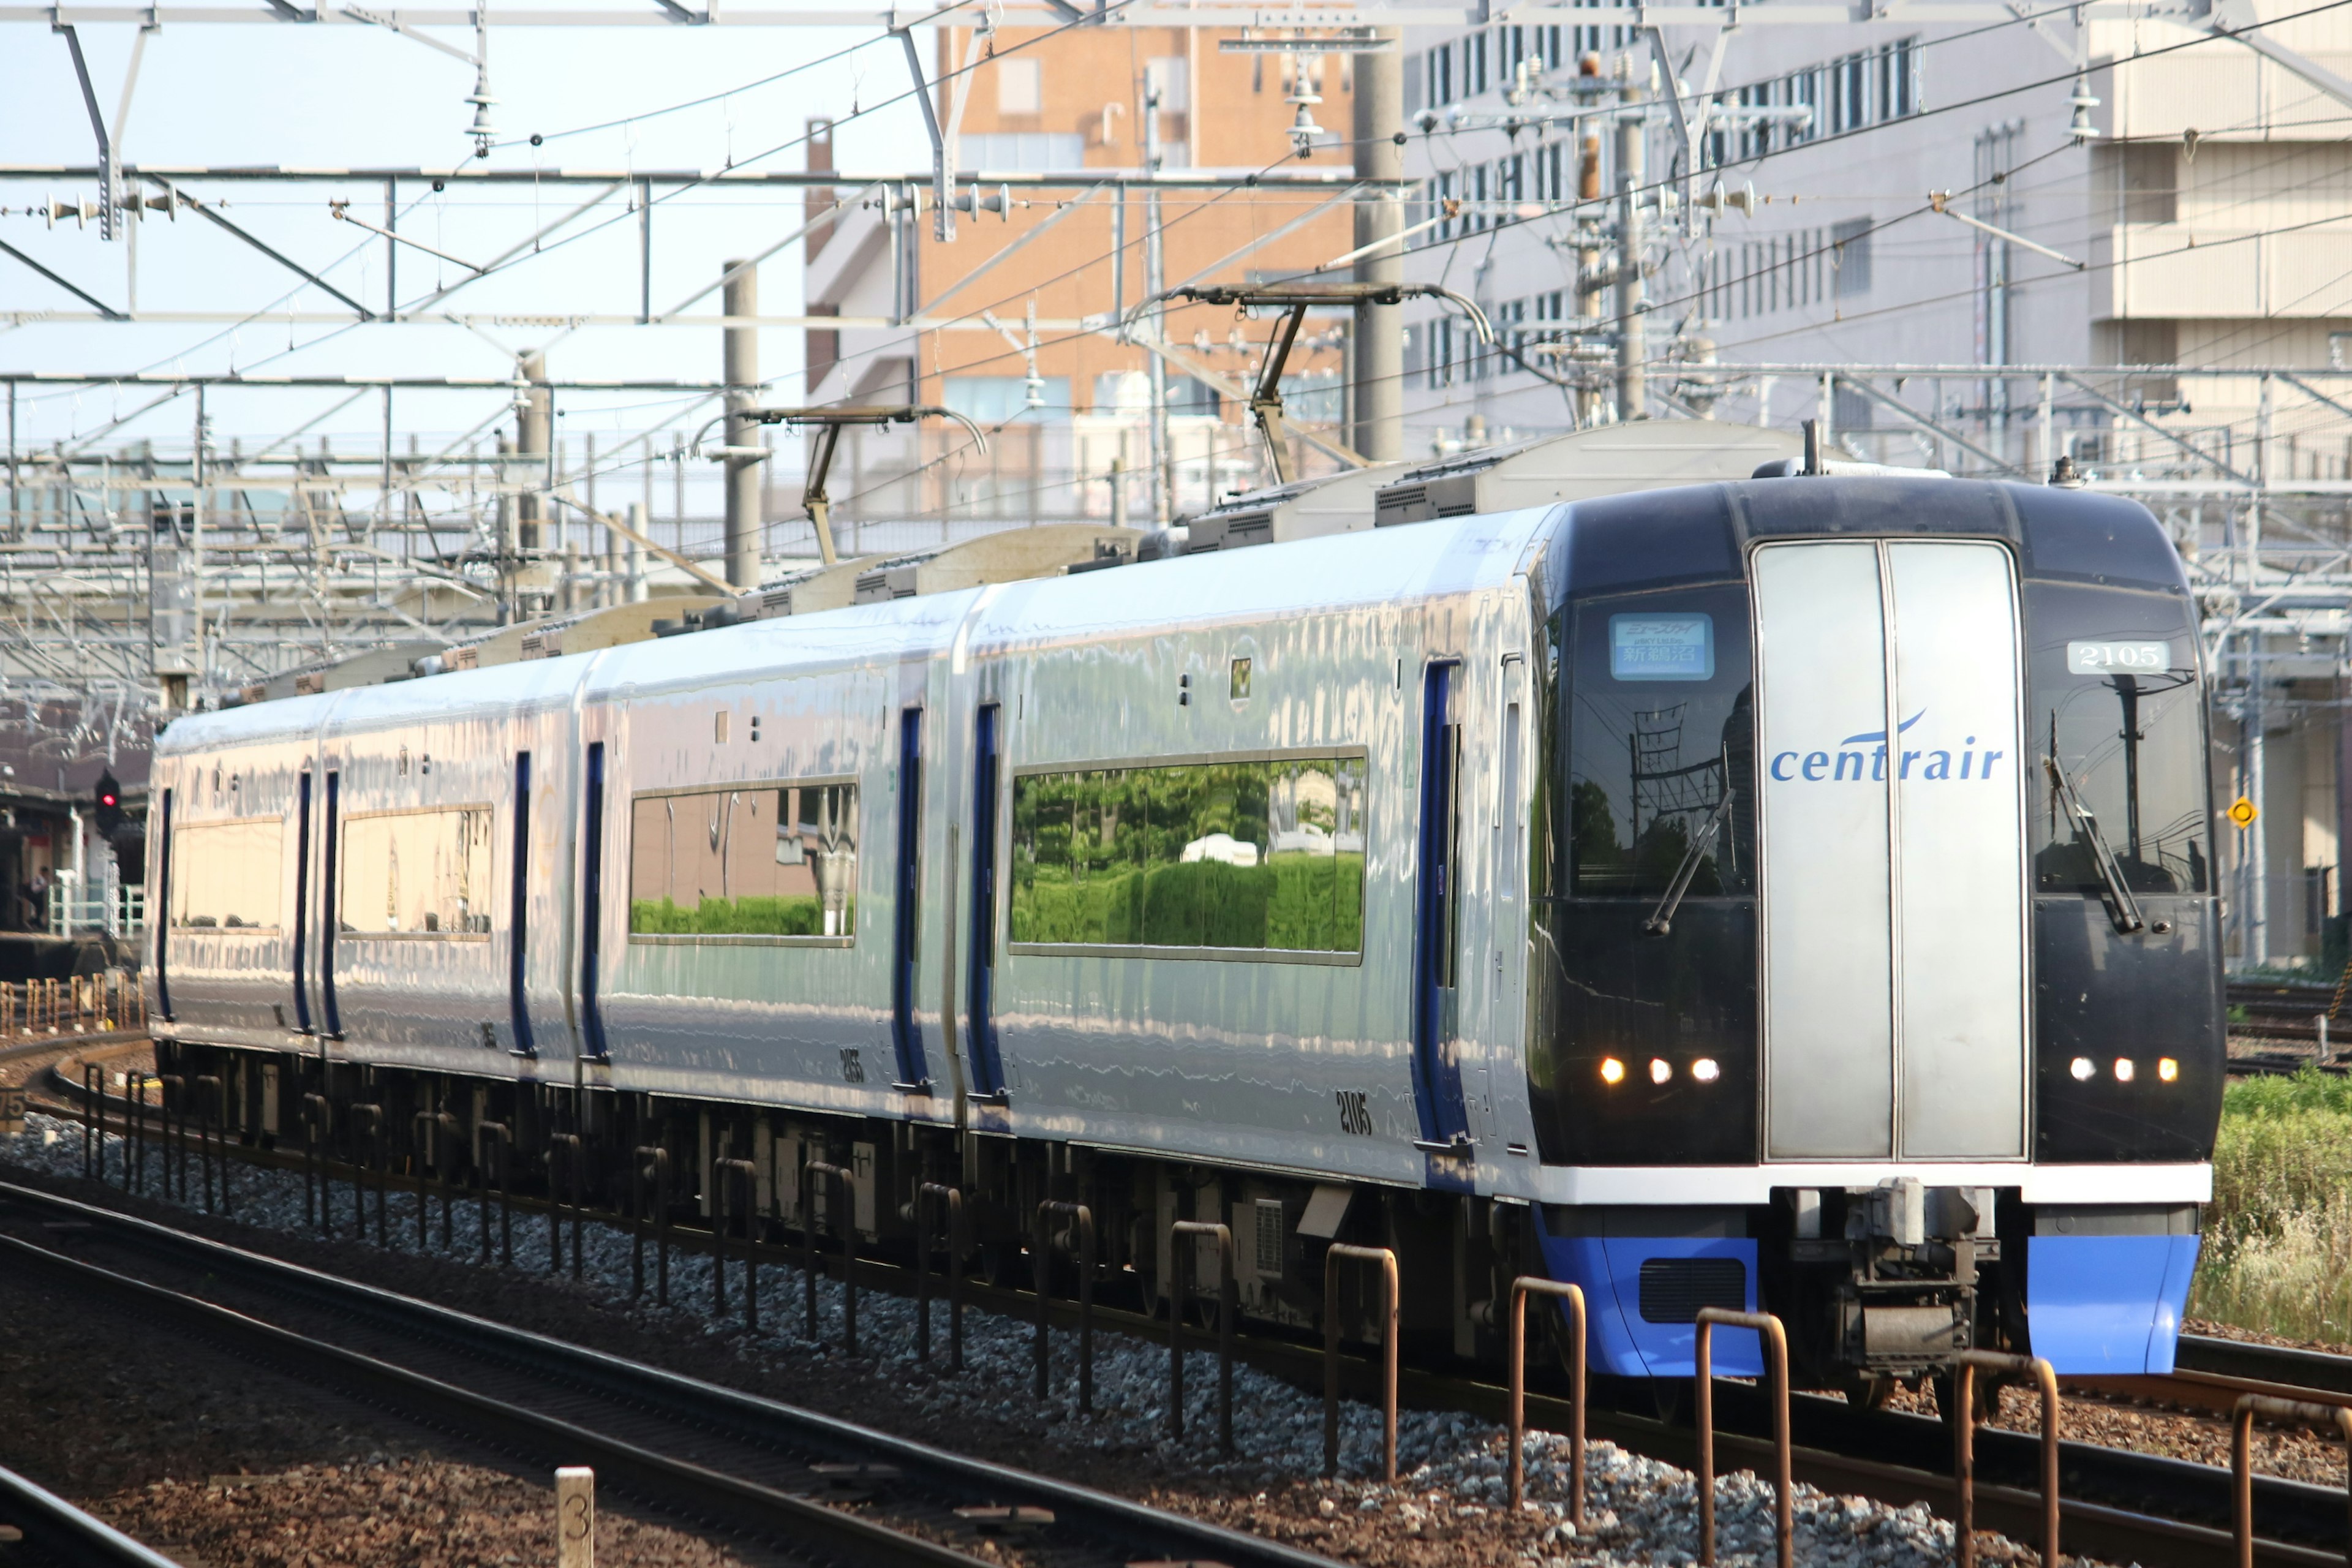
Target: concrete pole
x,y
1379,108
641,520
1163,457
1588,304
533,431
2258,860
742,374
1632,346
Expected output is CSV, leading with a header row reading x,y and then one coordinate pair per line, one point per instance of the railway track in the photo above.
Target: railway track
x,y
822,1490
2121,1505
40,1530
2211,1373
2118,1505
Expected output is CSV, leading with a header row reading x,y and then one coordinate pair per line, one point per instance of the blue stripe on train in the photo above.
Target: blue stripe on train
x,y
2107,1303
1620,1340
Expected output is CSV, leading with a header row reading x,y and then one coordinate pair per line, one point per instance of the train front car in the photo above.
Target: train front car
x,y
1876,956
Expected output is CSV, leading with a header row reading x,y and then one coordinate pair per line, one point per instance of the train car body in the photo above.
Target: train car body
x,y
1793,893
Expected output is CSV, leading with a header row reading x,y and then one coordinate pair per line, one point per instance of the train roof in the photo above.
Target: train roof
x,y
1652,536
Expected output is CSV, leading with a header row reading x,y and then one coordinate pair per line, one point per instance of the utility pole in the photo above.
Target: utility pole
x,y
2257,922
742,376
1632,348
1163,458
1588,258
197,546
510,534
533,430
1378,116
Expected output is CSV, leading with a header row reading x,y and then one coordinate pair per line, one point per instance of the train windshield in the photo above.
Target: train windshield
x,y
2118,705
1662,731
1648,821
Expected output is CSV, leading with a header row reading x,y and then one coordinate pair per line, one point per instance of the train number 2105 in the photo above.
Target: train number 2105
x,y
1355,1116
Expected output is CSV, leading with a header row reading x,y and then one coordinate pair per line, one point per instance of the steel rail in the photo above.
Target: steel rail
x,y
679,1482
1142,1532
64,1534
2125,1505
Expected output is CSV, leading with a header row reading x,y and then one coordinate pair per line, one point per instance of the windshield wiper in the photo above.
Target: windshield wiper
x,y
2122,908
1662,919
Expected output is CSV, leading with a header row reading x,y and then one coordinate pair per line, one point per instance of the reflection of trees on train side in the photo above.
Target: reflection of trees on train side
x,y
2130,744
1253,853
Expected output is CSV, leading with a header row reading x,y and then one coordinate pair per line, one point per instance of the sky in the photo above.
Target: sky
x,y
351,95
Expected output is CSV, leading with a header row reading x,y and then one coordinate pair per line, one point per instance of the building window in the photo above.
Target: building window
x,y
1020,86
1021,152
1850,249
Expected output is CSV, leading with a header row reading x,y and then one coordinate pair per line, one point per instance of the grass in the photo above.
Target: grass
x,y
2278,1237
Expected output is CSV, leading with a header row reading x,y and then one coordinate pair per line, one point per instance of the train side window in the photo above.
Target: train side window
x,y
1246,856
417,874
228,876
766,860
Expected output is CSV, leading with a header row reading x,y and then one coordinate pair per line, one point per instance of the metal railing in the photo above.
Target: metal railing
x,y
1182,1258
1964,1460
83,1004
2293,1412
844,1224
1521,1289
1042,1257
951,1200
1338,1254
1776,1348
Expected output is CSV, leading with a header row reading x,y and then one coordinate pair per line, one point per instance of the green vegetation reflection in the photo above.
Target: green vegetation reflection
x,y
1252,855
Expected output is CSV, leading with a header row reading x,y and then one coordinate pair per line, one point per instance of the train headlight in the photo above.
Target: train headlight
x,y
1612,1070
2083,1069
2124,1069
1661,1070
1706,1069
2166,1068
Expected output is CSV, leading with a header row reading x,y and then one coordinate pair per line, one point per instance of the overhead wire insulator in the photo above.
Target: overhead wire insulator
x,y
2080,127
483,130
1304,131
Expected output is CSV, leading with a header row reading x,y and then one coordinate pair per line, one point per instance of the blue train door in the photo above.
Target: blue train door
x,y
592,904
1437,1069
1893,850
987,1069
907,913
159,918
519,916
330,906
301,902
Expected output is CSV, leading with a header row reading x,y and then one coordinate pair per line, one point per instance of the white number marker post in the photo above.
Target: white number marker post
x,y
575,1517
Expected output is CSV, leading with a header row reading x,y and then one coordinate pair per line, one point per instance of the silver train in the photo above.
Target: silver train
x,y
1791,893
